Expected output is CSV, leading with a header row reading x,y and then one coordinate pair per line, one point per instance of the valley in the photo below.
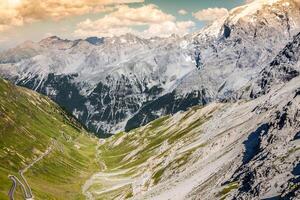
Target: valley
x,y
212,114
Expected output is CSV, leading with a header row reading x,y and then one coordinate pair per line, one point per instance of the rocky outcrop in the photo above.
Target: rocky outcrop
x,y
270,163
282,69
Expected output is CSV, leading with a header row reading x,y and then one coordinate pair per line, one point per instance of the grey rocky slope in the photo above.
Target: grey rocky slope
x,y
284,67
255,147
124,82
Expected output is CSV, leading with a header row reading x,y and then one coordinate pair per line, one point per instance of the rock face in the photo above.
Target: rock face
x,y
270,166
249,39
124,82
284,67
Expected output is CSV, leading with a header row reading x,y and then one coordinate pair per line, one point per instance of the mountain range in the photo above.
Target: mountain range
x,y
210,115
120,83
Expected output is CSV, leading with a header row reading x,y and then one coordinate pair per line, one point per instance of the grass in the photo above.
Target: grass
x,y
175,165
227,189
186,131
157,176
150,137
159,122
113,156
120,193
183,159
28,123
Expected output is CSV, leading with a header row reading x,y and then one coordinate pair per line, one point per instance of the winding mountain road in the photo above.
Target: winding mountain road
x,y
27,192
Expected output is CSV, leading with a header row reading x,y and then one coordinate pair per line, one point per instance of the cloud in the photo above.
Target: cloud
x,y
297,2
168,28
125,19
182,12
106,27
140,16
20,12
210,14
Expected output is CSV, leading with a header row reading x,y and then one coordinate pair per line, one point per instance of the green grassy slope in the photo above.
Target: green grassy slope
x,y
28,124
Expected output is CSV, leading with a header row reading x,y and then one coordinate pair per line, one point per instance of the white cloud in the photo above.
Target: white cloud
x,y
106,27
210,14
125,19
145,14
182,12
20,12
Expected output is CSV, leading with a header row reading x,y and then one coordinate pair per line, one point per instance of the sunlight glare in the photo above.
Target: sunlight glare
x,y
14,3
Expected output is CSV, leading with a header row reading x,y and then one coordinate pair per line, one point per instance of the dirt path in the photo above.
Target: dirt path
x,y
113,179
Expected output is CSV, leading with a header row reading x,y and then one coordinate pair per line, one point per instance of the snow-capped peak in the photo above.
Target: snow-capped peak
x,y
213,29
250,12
249,9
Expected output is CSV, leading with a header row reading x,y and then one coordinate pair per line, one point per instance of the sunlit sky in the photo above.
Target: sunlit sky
x,y
22,20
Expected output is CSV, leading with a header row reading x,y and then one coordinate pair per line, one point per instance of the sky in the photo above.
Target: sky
x,y
22,20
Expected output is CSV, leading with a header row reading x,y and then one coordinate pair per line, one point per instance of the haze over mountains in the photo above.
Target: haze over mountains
x,y
211,115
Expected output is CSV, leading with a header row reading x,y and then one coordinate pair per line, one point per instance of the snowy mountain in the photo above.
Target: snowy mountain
x,y
246,149
118,83
230,53
107,79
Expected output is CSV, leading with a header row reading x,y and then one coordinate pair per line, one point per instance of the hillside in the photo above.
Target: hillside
x,y
243,150
54,153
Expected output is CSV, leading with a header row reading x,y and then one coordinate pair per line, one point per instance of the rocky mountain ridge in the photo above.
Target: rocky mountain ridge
x,y
124,82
